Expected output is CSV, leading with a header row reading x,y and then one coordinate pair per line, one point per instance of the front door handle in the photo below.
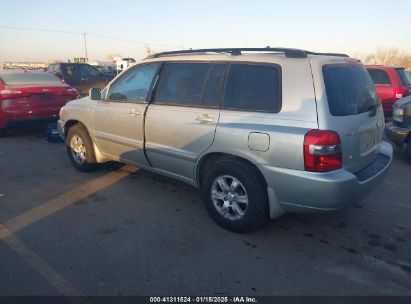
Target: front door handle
x,y
134,112
204,118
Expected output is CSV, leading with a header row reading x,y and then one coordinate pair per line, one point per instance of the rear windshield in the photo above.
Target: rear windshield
x,y
404,77
22,78
350,90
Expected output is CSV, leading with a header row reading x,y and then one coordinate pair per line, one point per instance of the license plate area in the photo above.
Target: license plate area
x,y
368,141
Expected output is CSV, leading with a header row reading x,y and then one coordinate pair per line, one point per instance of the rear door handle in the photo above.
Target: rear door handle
x,y
204,118
134,112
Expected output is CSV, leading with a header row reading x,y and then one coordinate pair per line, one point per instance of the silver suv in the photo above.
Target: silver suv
x,y
261,132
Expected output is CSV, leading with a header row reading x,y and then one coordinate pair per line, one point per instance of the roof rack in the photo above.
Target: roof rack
x,y
292,53
327,54
288,52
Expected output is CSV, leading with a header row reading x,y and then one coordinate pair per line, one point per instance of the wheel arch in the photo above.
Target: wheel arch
x,y
97,153
206,161
275,209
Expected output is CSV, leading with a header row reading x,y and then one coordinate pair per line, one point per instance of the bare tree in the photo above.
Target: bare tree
x,y
388,56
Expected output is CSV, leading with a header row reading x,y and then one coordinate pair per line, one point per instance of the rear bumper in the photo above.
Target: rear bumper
x,y
301,191
396,134
29,121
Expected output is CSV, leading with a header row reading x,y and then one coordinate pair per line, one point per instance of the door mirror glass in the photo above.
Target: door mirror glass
x,y
95,94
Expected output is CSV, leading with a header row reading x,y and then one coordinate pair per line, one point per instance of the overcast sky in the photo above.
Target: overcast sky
x,y
348,26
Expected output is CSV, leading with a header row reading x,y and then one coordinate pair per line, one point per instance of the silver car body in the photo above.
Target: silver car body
x,y
175,140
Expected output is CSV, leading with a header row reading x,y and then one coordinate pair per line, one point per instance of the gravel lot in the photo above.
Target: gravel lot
x,y
130,232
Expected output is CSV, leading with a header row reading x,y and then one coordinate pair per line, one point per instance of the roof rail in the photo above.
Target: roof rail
x,y
291,53
327,54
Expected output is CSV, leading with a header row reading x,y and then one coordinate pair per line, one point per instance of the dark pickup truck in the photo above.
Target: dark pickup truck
x,y
81,76
399,130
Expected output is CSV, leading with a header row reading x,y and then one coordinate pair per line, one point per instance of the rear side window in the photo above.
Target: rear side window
x,y
192,84
404,77
183,83
215,84
379,77
88,71
30,78
349,88
253,88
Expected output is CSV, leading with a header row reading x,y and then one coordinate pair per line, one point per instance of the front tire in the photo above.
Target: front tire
x,y
80,149
235,196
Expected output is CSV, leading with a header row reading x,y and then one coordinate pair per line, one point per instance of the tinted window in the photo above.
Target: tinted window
x,y
379,77
183,83
70,70
134,84
349,88
88,71
28,78
214,88
404,77
253,87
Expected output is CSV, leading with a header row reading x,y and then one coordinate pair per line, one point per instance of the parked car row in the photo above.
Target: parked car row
x,y
81,76
230,122
31,96
392,84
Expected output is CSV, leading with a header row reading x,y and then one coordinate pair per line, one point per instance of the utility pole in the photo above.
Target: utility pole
x,y
85,45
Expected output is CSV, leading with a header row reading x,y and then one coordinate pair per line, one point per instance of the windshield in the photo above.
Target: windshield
x,y
404,77
28,78
350,89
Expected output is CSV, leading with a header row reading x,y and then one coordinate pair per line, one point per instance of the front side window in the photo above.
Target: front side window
x,y
134,84
252,87
379,77
70,71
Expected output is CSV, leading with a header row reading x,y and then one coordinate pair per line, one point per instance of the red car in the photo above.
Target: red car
x,y
391,84
31,96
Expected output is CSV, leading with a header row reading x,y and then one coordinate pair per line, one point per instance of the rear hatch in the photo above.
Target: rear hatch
x,y
348,104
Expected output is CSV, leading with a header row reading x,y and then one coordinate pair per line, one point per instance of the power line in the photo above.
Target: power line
x,y
83,34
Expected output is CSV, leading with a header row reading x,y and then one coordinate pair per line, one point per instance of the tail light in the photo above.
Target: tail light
x,y
322,151
70,91
11,94
399,92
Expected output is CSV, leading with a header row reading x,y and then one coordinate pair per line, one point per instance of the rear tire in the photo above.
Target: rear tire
x,y
235,196
80,149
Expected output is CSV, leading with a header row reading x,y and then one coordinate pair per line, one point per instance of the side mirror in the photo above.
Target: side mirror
x,y
95,94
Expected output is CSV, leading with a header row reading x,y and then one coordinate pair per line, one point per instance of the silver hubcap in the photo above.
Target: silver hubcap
x,y
78,149
229,197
